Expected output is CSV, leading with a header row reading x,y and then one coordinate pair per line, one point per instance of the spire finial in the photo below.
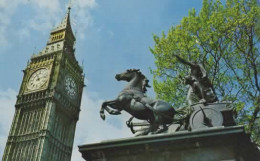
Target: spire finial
x,y
69,5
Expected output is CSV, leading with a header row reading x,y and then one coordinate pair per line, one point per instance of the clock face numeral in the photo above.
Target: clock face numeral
x,y
38,79
70,87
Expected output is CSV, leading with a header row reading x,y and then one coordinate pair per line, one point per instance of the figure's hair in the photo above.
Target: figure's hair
x,y
145,82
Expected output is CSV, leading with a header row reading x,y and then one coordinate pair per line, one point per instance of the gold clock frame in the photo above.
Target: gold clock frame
x,y
46,84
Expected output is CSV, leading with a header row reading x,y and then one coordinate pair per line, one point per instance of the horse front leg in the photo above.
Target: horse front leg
x,y
105,106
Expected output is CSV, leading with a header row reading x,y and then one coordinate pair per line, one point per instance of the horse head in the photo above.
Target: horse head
x,y
128,75
135,77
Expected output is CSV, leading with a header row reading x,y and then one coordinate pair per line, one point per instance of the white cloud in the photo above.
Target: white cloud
x,y
22,33
7,9
48,13
110,33
45,14
81,18
85,3
3,40
51,6
7,101
91,128
40,24
46,10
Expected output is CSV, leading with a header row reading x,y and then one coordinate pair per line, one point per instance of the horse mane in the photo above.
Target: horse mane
x,y
145,82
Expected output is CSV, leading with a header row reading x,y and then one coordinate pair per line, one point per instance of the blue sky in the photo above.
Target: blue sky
x,y
112,36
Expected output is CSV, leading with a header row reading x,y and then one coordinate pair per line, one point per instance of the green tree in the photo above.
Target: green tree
x,y
225,38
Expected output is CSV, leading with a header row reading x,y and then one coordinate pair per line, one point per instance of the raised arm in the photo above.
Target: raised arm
x,y
184,61
203,71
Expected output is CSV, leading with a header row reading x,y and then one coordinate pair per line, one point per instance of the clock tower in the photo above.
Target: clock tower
x,y
48,104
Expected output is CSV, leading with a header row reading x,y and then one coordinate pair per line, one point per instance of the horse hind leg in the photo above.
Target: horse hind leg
x,y
159,124
112,112
161,130
144,132
152,127
102,113
105,106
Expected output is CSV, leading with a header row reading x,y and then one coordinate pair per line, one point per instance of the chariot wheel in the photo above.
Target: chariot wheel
x,y
205,117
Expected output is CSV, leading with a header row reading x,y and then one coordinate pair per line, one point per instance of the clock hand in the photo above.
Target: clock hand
x,y
37,78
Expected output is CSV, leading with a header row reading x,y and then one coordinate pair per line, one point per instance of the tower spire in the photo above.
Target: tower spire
x,y
63,31
48,104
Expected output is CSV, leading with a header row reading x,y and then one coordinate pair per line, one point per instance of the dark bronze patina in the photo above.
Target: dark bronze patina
x,y
201,88
158,115
133,100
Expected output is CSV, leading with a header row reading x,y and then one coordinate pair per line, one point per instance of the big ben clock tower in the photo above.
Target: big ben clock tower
x,y
48,103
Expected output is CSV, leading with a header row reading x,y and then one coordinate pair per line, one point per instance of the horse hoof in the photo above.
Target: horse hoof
x,y
103,116
117,113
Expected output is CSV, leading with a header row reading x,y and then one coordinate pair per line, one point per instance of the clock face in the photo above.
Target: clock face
x,y
70,87
38,79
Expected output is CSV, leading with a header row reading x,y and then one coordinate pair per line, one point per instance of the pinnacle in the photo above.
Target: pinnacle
x,y
65,23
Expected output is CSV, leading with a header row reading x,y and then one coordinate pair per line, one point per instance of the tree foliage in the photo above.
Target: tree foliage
x,y
225,38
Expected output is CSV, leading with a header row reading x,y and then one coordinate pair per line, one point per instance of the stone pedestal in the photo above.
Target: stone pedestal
x,y
212,144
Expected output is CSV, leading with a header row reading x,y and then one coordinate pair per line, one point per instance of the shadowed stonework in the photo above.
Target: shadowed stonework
x,y
215,144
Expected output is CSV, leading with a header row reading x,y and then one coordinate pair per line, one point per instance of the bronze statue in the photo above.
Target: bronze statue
x,y
133,100
201,88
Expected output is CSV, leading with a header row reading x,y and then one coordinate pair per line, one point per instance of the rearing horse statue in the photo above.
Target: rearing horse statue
x,y
133,100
